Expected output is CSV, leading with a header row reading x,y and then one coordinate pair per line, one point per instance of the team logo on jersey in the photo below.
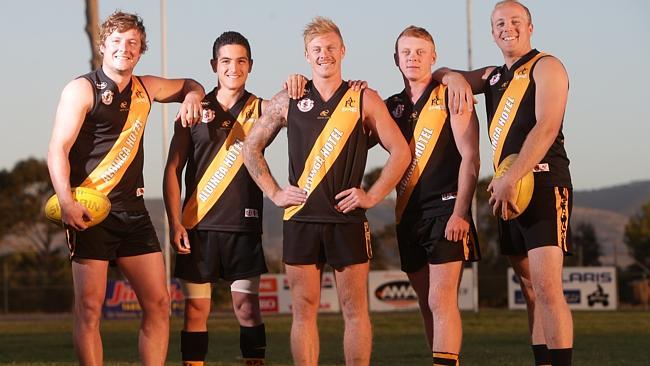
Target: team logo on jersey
x,y
207,116
436,103
140,97
494,79
305,105
107,97
522,74
102,85
349,106
398,111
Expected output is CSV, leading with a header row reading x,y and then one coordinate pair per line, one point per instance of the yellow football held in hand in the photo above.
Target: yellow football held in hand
x,y
95,201
524,187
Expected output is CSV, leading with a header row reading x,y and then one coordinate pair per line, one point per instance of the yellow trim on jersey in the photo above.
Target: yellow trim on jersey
x,y
223,168
425,137
328,145
508,106
111,169
562,216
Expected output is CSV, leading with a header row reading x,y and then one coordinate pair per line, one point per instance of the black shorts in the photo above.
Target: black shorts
x,y
544,223
423,241
336,244
221,254
121,234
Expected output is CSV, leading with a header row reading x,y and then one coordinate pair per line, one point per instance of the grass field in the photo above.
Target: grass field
x,y
492,337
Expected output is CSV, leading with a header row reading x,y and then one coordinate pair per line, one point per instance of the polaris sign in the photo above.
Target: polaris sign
x,y
585,288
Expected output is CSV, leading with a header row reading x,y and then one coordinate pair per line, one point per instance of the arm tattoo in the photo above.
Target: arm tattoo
x,y
274,117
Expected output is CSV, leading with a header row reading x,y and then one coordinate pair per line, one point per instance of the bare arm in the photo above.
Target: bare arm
x,y
273,119
172,188
378,120
465,130
462,85
552,88
185,91
75,102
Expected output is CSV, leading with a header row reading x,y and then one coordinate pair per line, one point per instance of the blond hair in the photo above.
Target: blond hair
x,y
318,27
417,32
505,2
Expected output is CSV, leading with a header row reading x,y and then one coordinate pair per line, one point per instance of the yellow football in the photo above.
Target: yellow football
x,y
95,201
524,187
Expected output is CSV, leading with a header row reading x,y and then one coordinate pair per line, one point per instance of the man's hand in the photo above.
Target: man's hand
x,y
295,86
75,216
191,111
357,85
502,197
354,198
179,238
460,93
457,228
289,196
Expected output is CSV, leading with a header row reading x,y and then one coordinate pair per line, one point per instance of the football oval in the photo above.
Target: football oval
x,y
524,187
95,201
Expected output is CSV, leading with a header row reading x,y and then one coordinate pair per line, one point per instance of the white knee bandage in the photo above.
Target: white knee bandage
x,y
248,285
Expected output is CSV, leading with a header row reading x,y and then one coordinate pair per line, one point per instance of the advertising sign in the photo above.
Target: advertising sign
x,y
121,302
585,288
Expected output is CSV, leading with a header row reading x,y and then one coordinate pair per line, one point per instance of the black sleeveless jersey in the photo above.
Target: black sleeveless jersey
x,y
435,192
553,170
98,135
306,120
239,208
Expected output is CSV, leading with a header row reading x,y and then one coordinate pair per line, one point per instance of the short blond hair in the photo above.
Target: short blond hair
x,y
505,2
319,26
417,32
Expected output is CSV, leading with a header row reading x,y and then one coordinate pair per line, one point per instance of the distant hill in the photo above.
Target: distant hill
x,y
625,199
607,209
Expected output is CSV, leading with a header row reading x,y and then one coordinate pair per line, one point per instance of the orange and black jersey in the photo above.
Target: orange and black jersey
x,y
239,207
108,153
434,193
328,147
553,170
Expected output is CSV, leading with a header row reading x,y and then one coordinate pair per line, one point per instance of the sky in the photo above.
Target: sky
x,y
604,45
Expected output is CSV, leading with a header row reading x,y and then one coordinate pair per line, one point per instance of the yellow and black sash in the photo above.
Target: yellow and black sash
x,y
329,144
508,106
425,137
223,168
111,169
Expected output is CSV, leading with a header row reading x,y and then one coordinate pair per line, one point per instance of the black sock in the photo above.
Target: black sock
x,y
445,359
561,356
252,342
542,356
194,345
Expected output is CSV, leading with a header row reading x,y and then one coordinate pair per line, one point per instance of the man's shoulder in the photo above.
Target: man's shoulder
x,y
548,65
